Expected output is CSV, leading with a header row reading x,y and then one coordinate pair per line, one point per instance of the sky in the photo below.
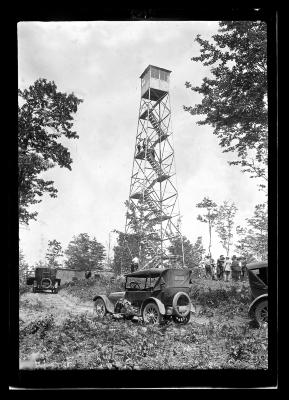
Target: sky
x,y
100,62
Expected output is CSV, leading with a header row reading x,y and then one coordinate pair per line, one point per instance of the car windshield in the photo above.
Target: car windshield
x,y
140,283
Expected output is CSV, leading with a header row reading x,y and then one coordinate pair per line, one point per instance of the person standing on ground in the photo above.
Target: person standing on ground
x,y
235,268
239,270
214,269
243,269
134,264
227,268
208,268
220,267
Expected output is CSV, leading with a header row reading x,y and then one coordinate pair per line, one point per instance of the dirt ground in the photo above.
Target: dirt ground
x,y
60,305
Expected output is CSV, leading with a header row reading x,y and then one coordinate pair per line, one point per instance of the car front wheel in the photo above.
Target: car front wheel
x,y
261,312
151,314
100,308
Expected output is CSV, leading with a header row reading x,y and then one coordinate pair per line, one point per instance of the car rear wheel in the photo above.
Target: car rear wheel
x,y
261,312
151,314
100,308
181,305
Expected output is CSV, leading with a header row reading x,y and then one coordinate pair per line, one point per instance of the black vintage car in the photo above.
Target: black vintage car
x,y
258,279
155,295
44,279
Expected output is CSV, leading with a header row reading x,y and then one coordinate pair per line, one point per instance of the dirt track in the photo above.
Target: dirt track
x,y
60,305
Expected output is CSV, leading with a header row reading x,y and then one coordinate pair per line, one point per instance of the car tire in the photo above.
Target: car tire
x,y
100,308
175,304
44,285
261,312
151,314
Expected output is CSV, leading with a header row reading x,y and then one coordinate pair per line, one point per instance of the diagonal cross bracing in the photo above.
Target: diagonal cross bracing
x,y
153,191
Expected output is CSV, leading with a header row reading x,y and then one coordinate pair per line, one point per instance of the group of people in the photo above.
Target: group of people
x,y
225,268
143,147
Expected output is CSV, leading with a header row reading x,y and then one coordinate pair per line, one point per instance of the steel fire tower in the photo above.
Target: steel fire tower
x,y
153,211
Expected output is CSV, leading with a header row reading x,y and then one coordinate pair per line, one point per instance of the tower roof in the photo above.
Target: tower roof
x,y
153,66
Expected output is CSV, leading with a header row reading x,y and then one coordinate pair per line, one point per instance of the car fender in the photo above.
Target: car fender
x,y
108,304
256,301
158,303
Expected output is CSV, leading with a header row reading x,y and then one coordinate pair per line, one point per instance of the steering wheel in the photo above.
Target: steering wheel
x,y
134,285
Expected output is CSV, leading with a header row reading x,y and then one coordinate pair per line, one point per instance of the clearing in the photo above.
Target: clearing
x,y
60,331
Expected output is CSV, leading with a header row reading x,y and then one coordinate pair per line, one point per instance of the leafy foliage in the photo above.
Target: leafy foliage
x,y
209,217
235,97
214,339
54,252
44,119
193,253
23,269
253,239
128,247
84,253
225,223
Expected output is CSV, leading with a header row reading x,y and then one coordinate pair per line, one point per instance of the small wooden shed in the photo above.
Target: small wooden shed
x,y
68,275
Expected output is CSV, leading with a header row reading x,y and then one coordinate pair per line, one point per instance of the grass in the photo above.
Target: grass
x,y
84,342
211,341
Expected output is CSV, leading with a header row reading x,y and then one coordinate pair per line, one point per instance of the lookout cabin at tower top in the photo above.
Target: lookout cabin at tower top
x,y
154,82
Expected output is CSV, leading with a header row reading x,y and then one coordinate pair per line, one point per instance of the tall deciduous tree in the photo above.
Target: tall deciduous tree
x,y
235,96
54,253
253,239
193,253
128,246
209,216
84,253
142,237
225,224
45,117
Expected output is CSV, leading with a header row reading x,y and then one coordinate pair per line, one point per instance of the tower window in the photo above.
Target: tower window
x,y
163,76
155,73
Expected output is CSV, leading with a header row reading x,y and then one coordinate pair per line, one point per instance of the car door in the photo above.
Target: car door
x,y
137,295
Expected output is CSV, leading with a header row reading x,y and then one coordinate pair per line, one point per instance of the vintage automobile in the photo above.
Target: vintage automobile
x,y
156,295
44,279
258,280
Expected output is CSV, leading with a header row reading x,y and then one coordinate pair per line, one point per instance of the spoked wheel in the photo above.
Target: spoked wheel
x,y
151,314
261,312
181,320
100,308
